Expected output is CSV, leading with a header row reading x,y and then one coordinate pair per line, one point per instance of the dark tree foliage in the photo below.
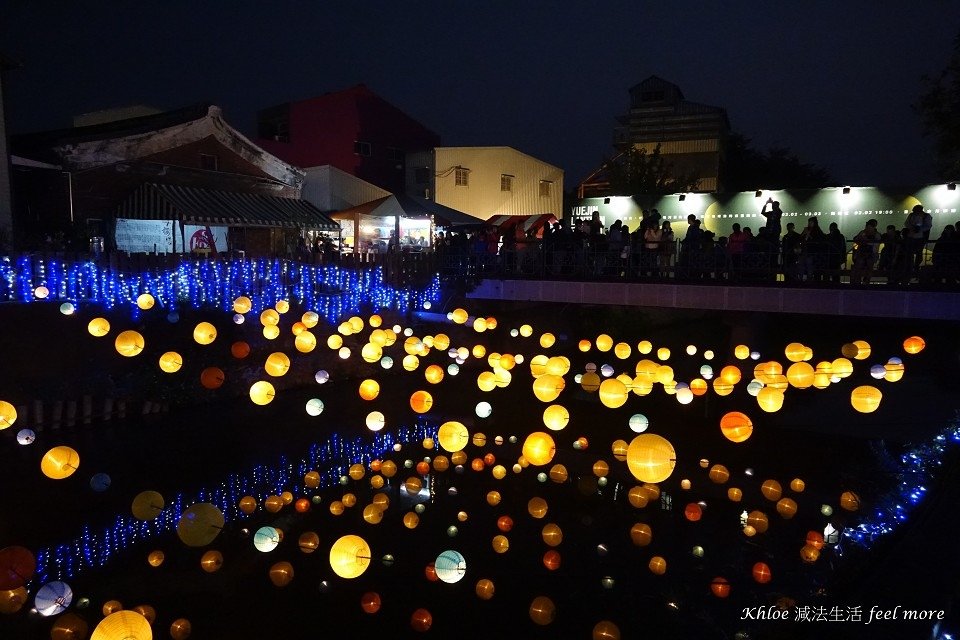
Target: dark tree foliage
x,y
939,110
634,171
745,168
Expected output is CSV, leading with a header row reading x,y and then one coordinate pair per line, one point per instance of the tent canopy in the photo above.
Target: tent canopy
x,y
405,206
534,223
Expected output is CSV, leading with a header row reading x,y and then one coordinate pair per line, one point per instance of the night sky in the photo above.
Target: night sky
x,y
832,81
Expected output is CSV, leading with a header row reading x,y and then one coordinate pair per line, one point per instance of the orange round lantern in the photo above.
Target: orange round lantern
x,y
240,350
736,426
551,559
370,602
761,573
421,620
657,565
720,587
212,378
693,512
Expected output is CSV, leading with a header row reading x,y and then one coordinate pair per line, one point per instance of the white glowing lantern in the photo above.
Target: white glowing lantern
x,y
684,394
375,421
518,358
321,376
754,355
754,388
877,372
706,372
266,539
708,355
344,353
453,369
386,362
408,332
484,409
238,318
450,566
314,407
639,423
691,349
606,371
514,333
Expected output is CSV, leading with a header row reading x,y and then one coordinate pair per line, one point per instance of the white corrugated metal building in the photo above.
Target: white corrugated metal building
x,y
330,189
486,181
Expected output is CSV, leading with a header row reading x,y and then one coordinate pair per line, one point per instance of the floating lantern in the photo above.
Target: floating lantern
x,y
771,490
613,393
350,556
547,387
128,625
761,573
657,565
865,399
556,417
539,448
719,474
147,505
212,378
914,345
720,587
651,458
638,423
770,399
421,401
171,362
542,610
450,566
590,382
787,508
200,524
60,462
277,364
641,534
129,343
98,327
369,389
281,574
375,421
314,407
204,333
849,501
262,392
453,436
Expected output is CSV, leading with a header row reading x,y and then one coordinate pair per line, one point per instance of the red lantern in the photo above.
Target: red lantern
x,y
476,464
423,468
240,350
431,572
762,573
489,459
551,560
421,620
504,523
302,505
720,587
815,539
370,602
693,512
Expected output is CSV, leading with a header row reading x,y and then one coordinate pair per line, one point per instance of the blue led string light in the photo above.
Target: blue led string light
x,y
330,458
327,289
916,468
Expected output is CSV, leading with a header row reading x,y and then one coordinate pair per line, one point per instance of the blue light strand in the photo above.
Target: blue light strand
x,y
331,458
916,468
327,289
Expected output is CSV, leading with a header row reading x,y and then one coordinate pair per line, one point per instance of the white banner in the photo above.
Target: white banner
x,y
148,236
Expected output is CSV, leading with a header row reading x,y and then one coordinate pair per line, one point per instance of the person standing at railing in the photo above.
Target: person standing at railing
x,y
917,226
866,246
773,217
813,248
736,243
650,264
668,247
946,256
790,252
836,252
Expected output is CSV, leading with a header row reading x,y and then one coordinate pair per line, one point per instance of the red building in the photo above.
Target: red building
x,y
354,130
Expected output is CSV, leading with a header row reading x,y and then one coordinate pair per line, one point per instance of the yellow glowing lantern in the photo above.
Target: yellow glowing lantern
x,y
719,474
242,305
741,352
537,507
893,371
613,393
556,417
350,556
698,386
797,485
305,342
604,342
644,347
369,389
770,399
758,520
170,362
821,380
371,352
771,490
849,501
271,332
372,514
548,387
658,565
310,319
335,341
914,345
60,462
663,353
547,340
601,468
262,392
638,497
538,365
8,415
493,498
800,375
722,388
433,374
269,317
558,473
98,327
441,341
484,589
619,449
558,366
129,343
487,381
410,362
277,364
795,352
479,325
204,333
865,399
539,448
734,494
787,508
500,544
664,374
841,367
863,349
651,458
736,426
453,436
584,346
641,534
156,558
123,625
460,315
552,534
730,374
421,401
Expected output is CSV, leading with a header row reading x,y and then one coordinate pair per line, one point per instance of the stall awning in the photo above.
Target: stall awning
x,y
409,207
529,223
193,205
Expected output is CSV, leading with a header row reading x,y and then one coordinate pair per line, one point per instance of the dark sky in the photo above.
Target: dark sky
x,y
833,81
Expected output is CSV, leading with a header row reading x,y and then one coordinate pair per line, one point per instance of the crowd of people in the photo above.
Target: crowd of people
x,y
586,249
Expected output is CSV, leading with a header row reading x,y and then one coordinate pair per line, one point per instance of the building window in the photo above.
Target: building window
x,y
506,182
209,162
545,187
421,175
462,177
394,154
362,148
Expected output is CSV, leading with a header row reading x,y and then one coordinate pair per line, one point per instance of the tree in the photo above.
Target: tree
x,y
745,168
939,110
634,171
